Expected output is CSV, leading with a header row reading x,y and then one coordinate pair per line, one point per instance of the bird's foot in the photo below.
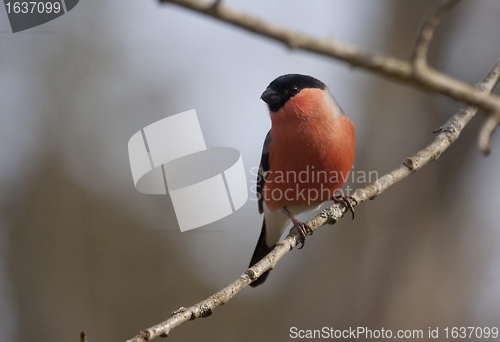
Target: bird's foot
x,y
303,228
346,201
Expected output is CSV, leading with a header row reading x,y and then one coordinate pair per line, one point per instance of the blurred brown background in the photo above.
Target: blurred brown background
x,y
81,249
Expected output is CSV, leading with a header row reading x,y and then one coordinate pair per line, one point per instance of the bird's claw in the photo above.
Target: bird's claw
x,y
302,227
346,201
304,230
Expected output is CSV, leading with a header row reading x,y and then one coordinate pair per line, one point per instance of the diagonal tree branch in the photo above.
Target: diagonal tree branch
x,y
385,66
449,132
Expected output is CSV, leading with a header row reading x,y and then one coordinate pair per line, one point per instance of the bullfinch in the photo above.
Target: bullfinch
x,y
307,156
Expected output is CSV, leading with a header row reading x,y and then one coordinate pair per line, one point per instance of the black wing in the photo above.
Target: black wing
x,y
263,171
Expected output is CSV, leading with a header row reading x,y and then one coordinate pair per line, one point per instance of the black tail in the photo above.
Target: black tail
x,y
260,251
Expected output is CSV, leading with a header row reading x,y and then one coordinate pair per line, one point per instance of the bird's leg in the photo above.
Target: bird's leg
x,y
346,201
303,228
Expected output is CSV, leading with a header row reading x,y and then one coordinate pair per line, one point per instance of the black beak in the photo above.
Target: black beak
x,y
270,97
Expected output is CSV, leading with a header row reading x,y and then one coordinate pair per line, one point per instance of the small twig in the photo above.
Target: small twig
x,y
489,126
426,34
449,133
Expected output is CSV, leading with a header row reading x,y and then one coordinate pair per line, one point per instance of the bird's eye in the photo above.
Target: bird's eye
x,y
294,91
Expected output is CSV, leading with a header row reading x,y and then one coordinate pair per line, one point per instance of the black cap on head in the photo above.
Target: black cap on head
x,y
285,87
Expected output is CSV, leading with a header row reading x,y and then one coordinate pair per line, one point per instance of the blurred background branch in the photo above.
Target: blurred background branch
x,y
416,73
419,58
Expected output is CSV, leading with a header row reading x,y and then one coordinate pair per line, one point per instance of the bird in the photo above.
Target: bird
x,y
307,156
